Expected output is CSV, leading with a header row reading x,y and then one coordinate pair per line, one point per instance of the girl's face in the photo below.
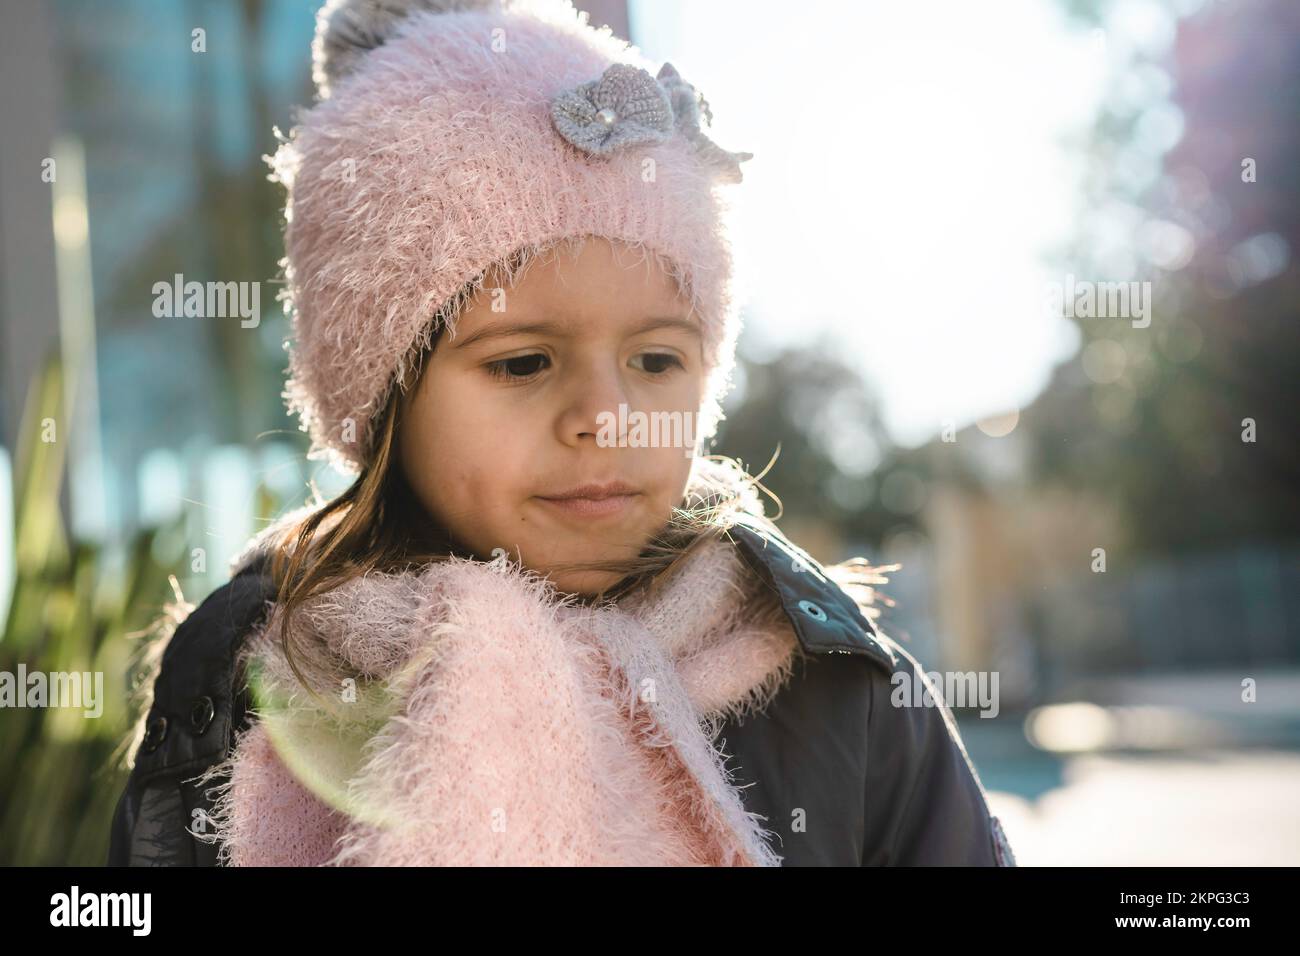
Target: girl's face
x,y
521,408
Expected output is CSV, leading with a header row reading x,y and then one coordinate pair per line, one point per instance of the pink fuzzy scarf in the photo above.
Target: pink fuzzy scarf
x,y
469,714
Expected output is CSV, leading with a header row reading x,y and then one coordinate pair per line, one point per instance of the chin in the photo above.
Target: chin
x,y
585,583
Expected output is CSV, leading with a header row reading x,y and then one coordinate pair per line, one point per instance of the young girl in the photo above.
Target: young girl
x,y
533,631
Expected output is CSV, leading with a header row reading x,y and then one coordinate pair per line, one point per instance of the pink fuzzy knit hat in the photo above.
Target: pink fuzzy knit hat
x,y
449,136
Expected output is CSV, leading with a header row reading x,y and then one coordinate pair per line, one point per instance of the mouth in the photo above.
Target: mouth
x,y
593,500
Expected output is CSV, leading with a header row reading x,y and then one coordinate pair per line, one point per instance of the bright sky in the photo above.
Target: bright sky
x,y
910,177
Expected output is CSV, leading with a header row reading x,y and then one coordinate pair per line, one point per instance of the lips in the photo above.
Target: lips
x,y
593,491
593,500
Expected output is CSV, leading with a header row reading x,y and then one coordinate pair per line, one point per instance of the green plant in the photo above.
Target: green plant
x,y
69,613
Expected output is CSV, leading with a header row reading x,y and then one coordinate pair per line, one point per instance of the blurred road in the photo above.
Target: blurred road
x,y
1212,808
1188,775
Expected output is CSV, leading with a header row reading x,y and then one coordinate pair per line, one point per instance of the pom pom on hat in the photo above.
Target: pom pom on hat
x,y
432,154
348,29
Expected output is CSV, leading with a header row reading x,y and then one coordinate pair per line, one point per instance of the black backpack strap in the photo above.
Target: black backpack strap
x,y
196,712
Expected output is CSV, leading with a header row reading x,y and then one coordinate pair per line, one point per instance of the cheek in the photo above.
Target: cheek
x,y
458,451
666,471
452,461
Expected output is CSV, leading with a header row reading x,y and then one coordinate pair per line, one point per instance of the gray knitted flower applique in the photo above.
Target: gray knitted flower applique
x,y
625,107
688,105
628,107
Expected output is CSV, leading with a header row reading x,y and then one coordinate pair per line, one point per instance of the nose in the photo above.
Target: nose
x,y
590,406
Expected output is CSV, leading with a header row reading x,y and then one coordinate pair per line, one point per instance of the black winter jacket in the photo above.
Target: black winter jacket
x,y
843,777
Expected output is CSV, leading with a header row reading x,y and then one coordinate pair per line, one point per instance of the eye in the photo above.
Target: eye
x,y
657,363
517,367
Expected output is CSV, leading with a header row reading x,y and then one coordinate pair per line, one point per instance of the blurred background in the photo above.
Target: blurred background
x,y
1101,509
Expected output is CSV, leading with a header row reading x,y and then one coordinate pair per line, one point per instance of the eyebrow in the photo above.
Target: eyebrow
x,y
560,329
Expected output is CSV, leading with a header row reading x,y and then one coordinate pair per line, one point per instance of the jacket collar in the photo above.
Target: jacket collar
x,y
826,619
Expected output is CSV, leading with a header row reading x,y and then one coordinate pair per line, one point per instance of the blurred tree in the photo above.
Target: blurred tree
x,y
1159,418
817,415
